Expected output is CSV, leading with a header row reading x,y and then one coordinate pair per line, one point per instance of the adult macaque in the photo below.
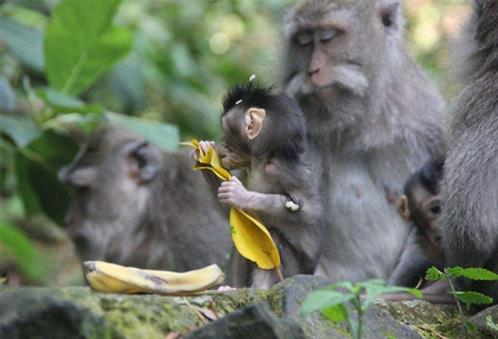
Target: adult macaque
x,y
136,205
469,217
373,117
264,133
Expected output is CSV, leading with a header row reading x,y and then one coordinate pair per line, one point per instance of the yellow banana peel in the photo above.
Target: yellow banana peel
x,y
111,278
250,237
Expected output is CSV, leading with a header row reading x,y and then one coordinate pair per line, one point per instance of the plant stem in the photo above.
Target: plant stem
x,y
452,288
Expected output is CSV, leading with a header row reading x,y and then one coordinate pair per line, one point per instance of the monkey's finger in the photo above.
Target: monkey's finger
x,y
205,145
235,179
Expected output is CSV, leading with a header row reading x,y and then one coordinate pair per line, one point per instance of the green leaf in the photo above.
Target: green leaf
x,y
81,44
66,123
7,95
336,314
23,42
323,299
20,248
37,165
472,298
63,103
473,273
20,129
164,135
373,290
434,274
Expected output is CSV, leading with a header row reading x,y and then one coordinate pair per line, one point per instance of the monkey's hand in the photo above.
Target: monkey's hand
x,y
205,145
233,194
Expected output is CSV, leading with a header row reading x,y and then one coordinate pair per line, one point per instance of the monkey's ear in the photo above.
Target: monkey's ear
x,y
144,162
83,176
402,207
254,121
390,15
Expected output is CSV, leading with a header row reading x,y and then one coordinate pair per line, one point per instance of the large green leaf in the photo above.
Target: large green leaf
x,y
324,299
81,44
22,251
164,135
36,168
472,298
25,43
473,273
21,130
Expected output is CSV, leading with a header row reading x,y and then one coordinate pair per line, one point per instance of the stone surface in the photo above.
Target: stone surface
x,y
255,321
82,313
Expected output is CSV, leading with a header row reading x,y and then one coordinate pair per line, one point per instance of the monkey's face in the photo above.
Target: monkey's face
x,y
109,177
421,207
337,47
237,138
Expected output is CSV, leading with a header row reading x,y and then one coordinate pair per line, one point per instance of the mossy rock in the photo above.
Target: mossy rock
x,y
78,312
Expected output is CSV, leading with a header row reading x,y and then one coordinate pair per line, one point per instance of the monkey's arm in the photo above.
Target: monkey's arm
x,y
233,194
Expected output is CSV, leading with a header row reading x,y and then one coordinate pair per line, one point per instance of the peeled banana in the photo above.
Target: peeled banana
x,y
111,278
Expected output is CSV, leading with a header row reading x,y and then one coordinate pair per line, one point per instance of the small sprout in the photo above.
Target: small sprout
x,y
252,78
292,206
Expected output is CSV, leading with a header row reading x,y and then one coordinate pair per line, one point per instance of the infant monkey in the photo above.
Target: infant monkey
x,y
264,134
421,205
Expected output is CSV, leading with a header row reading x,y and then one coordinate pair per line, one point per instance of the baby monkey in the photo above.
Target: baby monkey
x,y
421,205
264,134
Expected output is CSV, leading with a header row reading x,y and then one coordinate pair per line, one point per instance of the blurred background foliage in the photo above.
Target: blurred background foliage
x,y
161,67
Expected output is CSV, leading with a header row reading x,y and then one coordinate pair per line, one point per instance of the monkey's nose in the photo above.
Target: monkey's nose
x,y
313,70
62,175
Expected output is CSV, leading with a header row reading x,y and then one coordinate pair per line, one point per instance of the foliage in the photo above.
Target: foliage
x,y
333,300
65,65
468,298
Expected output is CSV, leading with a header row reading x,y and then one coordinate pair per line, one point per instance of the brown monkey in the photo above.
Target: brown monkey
x,y
136,205
469,217
264,133
373,116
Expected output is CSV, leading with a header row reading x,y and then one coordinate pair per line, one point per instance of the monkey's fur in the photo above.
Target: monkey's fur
x,y
264,133
136,205
469,216
373,118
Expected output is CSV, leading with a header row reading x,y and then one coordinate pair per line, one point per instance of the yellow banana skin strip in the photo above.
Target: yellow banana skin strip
x,y
250,237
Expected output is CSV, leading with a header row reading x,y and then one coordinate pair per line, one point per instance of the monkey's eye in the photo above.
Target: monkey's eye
x,y
436,209
304,38
327,35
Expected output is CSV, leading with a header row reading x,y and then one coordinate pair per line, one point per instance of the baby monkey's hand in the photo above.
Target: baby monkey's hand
x,y
204,145
233,194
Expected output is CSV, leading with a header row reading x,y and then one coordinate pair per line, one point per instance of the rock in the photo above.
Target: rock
x,y
255,321
482,325
80,312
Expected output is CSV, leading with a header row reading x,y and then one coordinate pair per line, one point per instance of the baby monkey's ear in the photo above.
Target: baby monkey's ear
x,y
254,121
403,209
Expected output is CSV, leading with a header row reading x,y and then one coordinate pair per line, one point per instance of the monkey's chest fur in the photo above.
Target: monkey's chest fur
x,y
364,236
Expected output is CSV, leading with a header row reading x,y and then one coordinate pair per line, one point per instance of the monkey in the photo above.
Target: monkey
x,y
421,205
373,117
469,191
264,134
136,205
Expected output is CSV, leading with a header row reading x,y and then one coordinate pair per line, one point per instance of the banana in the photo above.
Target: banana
x,y
111,278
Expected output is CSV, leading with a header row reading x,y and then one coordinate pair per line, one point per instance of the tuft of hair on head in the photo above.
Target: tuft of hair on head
x,y
247,95
429,176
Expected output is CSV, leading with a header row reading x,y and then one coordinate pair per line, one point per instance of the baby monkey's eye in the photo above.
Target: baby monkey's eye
x,y
327,35
436,209
304,38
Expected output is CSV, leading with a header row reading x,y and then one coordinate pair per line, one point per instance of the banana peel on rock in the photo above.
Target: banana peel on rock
x,y
112,278
250,237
